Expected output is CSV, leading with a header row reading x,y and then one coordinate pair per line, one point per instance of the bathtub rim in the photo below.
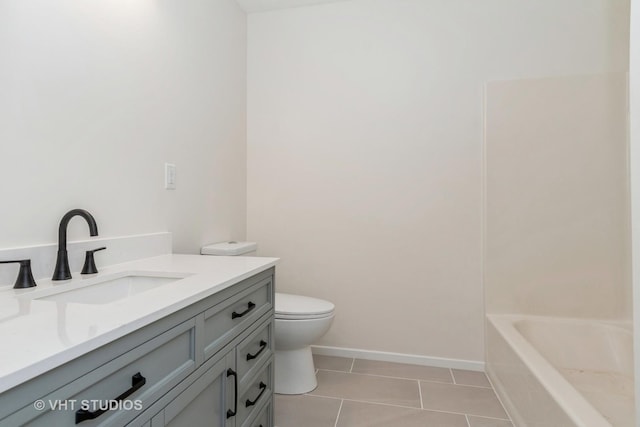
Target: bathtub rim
x,y
565,395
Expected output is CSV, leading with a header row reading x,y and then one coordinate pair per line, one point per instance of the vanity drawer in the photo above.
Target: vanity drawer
x,y
254,351
263,419
259,390
138,377
226,320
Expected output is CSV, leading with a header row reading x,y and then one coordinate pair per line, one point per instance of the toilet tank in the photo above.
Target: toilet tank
x,y
230,249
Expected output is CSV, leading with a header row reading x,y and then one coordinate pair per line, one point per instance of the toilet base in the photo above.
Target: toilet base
x,y
295,373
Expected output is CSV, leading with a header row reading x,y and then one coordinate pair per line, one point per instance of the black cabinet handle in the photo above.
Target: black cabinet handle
x,y
232,373
137,381
263,388
250,306
263,345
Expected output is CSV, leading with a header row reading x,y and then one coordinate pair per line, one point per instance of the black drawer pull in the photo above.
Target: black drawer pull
x,y
231,373
250,306
263,388
137,381
263,345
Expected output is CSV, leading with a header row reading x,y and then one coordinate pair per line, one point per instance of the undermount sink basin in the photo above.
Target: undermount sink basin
x,y
110,290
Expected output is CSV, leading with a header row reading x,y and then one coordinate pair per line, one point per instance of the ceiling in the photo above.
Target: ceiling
x,y
251,6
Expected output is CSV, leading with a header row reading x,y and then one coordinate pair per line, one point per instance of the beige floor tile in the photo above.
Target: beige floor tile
x,y
470,378
368,388
358,414
401,370
303,410
488,422
332,363
462,399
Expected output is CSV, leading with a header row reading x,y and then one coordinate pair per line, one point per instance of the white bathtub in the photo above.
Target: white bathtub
x,y
562,372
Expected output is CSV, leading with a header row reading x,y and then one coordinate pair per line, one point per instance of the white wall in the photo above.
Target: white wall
x,y
364,151
557,236
97,96
634,142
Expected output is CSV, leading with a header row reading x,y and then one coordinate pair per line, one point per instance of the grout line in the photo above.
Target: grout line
x,y
405,378
368,401
323,396
353,362
339,410
332,370
453,377
504,407
488,418
472,385
406,407
342,399
378,376
480,416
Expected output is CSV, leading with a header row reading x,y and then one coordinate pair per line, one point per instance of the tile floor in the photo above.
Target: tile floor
x,y
366,393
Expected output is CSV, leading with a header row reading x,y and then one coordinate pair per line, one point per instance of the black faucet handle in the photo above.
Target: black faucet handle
x,y
25,276
89,263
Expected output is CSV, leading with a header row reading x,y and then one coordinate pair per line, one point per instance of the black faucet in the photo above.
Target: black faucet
x,y
25,276
62,271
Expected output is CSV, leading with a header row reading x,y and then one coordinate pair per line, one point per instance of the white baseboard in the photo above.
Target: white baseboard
x,y
414,359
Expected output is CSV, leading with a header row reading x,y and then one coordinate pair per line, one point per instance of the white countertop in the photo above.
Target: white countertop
x,y
39,335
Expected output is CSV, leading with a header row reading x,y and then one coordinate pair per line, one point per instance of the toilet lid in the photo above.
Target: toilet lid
x,y
290,306
232,248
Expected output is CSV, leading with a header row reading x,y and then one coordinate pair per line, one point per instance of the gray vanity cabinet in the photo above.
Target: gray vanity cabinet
x,y
201,402
198,364
264,417
244,368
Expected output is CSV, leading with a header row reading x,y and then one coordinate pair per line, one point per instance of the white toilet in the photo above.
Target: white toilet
x,y
299,322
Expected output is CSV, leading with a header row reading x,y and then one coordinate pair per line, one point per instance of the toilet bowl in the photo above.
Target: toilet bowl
x,y
299,322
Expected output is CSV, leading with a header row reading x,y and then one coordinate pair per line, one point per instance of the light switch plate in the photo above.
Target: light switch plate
x,y
169,176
